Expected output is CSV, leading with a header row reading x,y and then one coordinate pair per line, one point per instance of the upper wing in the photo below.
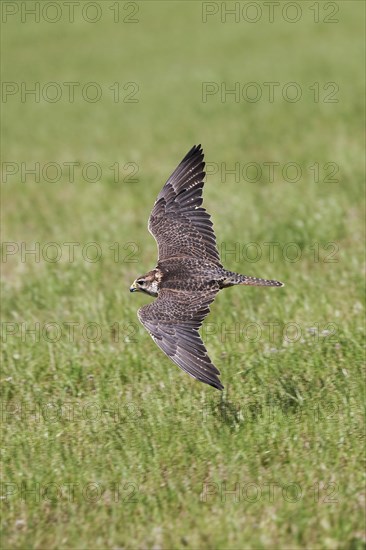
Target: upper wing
x,y
173,320
177,221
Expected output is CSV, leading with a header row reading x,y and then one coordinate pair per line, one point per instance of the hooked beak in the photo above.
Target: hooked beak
x,y
133,287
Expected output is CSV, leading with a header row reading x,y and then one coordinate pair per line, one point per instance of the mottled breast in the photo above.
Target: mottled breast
x,y
189,274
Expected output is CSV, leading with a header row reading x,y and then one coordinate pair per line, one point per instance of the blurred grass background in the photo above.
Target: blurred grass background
x,y
291,413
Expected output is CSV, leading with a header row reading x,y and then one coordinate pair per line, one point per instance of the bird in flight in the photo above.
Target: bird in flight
x,y
189,273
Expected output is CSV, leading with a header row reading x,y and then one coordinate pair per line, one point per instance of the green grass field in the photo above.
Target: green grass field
x,y
106,443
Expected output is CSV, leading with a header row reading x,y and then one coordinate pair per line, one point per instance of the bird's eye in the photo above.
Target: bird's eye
x,y
140,282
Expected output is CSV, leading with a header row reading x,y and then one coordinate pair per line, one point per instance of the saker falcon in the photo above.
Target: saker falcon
x,y
189,273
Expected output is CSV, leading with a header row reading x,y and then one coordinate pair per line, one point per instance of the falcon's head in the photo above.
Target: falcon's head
x,y
148,283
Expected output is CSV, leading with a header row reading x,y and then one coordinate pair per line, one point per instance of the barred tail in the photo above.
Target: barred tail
x,y
237,279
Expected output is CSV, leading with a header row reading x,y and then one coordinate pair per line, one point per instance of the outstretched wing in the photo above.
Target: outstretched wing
x,y
173,320
179,224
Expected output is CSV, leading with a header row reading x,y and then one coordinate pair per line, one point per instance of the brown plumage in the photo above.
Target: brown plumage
x,y
189,273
